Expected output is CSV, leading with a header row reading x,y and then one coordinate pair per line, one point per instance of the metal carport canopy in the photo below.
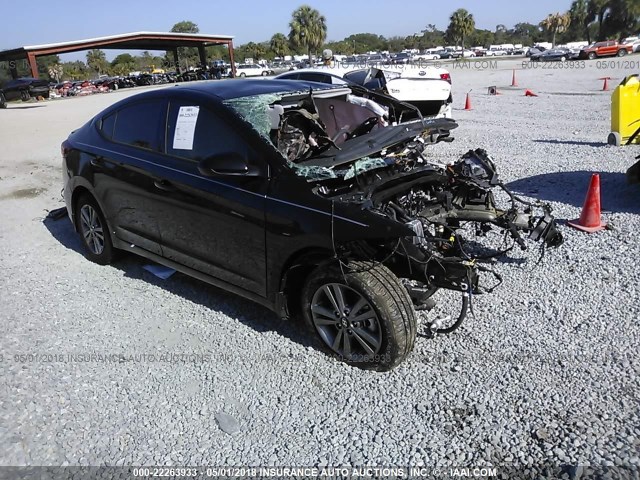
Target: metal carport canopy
x,y
168,41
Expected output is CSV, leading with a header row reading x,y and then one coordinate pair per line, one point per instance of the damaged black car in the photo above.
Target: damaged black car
x,y
316,201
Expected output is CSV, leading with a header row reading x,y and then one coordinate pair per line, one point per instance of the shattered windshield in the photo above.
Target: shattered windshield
x,y
303,125
255,110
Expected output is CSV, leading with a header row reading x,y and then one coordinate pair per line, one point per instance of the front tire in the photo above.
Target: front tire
x,y
242,75
364,317
93,230
24,95
622,52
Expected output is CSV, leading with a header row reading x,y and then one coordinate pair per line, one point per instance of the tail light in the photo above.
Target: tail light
x,y
446,77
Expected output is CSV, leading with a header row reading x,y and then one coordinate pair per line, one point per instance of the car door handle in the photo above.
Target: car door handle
x,y
164,185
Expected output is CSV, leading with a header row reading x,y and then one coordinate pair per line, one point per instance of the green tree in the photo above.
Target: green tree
x,y
123,58
461,25
308,29
97,61
279,45
556,23
185,26
596,12
579,25
186,56
45,64
622,19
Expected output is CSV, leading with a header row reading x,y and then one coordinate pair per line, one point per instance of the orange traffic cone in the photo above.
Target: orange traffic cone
x,y
590,219
514,83
605,85
529,93
467,103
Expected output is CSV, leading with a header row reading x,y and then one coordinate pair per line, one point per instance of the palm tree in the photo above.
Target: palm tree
x,y
579,13
462,25
308,28
96,60
556,23
596,11
55,72
279,45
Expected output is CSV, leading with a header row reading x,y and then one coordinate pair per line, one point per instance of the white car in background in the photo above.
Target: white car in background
x,y
634,42
251,70
426,87
495,52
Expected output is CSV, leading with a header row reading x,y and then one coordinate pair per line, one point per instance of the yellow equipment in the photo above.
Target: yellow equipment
x,y
625,112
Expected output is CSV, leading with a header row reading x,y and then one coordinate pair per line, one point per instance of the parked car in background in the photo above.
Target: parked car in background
x,y
426,87
634,42
425,57
608,48
535,51
450,53
24,88
554,55
252,70
495,51
468,53
401,58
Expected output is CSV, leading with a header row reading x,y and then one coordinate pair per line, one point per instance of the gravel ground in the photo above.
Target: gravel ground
x,y
546,374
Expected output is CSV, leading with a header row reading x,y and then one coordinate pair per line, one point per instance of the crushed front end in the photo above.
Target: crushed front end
x,y
368,155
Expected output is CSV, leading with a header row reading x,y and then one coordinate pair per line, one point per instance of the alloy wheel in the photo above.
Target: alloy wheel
x,y
92,231
346,321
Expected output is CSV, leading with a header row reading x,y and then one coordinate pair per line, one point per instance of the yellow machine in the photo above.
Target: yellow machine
x,y
625,112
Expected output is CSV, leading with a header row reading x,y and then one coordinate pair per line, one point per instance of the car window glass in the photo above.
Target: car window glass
x,y
140,125
107,125
315,77
202,137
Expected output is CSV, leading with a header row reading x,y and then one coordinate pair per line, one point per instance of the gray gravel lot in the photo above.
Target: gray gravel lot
x,y
546,373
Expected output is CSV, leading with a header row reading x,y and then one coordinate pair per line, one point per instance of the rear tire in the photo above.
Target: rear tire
x,y
592,56
364,317
242,75
93,230
25,96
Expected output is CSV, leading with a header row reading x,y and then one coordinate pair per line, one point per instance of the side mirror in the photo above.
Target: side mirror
x,y
227,164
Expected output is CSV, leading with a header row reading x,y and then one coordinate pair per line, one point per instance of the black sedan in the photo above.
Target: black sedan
x,y
554,55
310,199
25,88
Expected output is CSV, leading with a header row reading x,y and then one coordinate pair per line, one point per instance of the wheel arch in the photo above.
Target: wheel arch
x,y
77,192
293,276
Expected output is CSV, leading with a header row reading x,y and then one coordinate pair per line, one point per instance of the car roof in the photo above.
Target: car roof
x,y
227,89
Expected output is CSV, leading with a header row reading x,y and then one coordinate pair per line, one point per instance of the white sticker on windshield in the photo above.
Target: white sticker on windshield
x,y
185,128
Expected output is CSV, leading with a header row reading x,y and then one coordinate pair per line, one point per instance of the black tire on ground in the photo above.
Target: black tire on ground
x,y
264,74
376,328
592,56
242,75
25,96
93,231
622,52
3,101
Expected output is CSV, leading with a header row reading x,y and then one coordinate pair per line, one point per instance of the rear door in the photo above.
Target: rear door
x,y
125,171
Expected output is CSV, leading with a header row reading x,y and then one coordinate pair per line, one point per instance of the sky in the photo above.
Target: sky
x,y
250,20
